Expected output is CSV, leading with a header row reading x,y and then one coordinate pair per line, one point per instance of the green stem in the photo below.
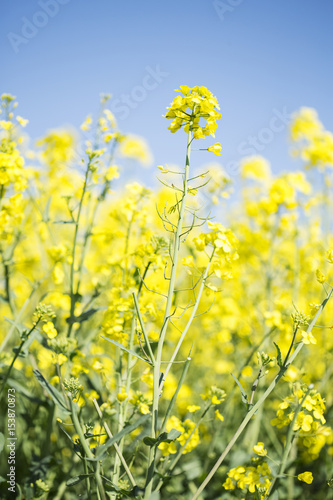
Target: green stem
x,y
188,324
157,366
261,400
181,450
61,491
292,470
85,247
131,340
174,397
49,428
255,385
8,296
86,471
116,467
73,296
87,450
116,447
21,311
138,312
290,347
88,233
127,239
290,436
120,416
128,378
18,351
229,407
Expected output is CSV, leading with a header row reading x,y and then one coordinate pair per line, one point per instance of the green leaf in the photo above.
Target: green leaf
x,y
172,435
133,353
20,327
164,437
128,494
192,470
90,435
155,496
101,452
278,356
244,396
52,391
149,441
84,316
77,479
66,433
2,441
19,494
35,335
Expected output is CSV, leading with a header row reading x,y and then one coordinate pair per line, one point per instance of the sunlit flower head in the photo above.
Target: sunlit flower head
x,y
188,109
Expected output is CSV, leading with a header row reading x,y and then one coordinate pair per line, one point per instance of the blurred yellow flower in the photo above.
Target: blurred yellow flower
x,y
255,167
216,149
306,477
259,449
50,330
308,338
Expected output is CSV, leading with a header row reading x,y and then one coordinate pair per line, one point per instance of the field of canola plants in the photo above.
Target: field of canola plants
x,y
147,350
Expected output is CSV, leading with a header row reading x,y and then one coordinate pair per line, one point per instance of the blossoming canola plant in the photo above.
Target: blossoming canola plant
x,y
105,302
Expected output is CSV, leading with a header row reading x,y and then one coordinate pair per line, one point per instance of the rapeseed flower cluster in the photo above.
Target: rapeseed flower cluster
x,y
251,478
309,424
315,144
186,111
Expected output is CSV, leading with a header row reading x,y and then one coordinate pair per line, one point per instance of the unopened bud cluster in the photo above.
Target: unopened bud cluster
x,y
73,387
43,313
300,319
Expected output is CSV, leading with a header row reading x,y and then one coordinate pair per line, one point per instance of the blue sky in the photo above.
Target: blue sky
x,y
263,59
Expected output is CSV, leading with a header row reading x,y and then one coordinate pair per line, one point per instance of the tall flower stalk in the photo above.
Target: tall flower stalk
x,y
186,112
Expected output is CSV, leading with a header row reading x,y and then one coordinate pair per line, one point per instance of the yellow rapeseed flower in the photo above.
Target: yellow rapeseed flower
x,y
50,330
121,396
306,477
216,149
308,338
321,278
187,110
193,408
255,167
218,416
259,449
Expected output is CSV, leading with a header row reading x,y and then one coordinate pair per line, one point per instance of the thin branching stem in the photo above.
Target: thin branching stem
x,y
188,324
116,447
73,297
87,450
167,314
287,447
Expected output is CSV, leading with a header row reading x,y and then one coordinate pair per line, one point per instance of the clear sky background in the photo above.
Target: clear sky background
x,y
263,59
